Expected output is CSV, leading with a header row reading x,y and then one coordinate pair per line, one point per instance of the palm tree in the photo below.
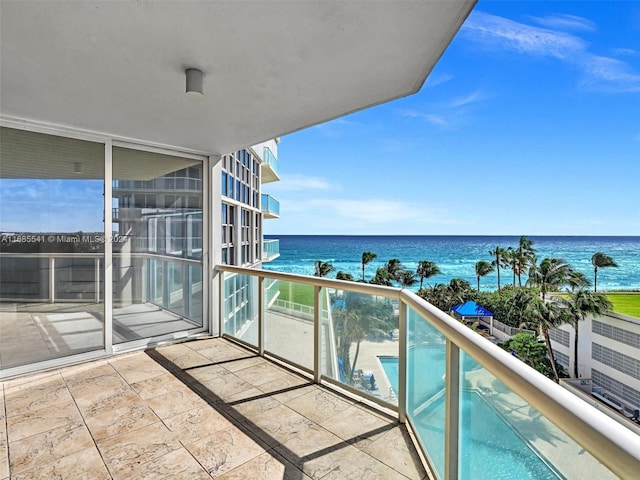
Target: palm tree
x,y
427,269
577,280
394,267
498,253
322,269
483,268
511,260
407,278
525,256
547,315
367,257
381,277
344,276
550,275
582,303
600,260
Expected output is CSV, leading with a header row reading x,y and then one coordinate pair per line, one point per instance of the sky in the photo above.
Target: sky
x,y
528,125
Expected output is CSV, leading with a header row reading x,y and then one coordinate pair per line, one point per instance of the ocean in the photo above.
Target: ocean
x,y
456,255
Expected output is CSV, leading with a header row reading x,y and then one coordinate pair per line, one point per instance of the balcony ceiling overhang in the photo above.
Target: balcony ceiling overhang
x,y
271,67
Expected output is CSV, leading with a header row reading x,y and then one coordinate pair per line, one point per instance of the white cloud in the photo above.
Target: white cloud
x,y
428,117
600,73
626,51
294,181
563,21
434,79
521,37
474,97
609,74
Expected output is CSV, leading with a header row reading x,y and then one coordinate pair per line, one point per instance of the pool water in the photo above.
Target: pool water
x,y
489,447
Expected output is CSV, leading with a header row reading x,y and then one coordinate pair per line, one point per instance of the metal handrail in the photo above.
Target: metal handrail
x,y
612,444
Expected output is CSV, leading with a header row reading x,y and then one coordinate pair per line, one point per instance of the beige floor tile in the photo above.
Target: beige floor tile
x,y
82,465
359,426
209,375
179,400
76,374
264,372
158,385
222,389
41,420
109,400
350,465
319,405
197,424
225,352
177,465
287,387
137,367
311,444
242,363
91,391
256,407
225,450
280,425
268,466
31,397
395,449
182,356
4,460
109,423
124,453
49,446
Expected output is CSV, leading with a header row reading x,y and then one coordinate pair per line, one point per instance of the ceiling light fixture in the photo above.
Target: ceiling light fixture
x,y
195,80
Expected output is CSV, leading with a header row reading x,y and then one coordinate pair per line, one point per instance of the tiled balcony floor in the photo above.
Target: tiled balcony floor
x,y
202,409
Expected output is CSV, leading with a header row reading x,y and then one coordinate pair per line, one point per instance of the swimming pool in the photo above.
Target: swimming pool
x,y
489,447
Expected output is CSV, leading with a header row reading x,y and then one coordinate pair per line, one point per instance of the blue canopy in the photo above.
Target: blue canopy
x,y
471,309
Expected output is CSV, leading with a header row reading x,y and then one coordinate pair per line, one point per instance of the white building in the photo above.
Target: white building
x,y
608,353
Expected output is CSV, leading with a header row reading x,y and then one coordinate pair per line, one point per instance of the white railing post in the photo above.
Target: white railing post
x,y
452,411
221,300
402,362
261,316
317,302
52,280
96,279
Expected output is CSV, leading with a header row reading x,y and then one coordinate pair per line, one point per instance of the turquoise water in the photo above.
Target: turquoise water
x,y
456,255
489,448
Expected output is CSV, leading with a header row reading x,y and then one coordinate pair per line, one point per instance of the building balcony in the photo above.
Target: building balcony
x,y
172,184
269,167
294,391
469,405
270,250
270,206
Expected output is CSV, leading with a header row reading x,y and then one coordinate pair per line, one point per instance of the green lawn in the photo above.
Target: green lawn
x,y
296,293
626,303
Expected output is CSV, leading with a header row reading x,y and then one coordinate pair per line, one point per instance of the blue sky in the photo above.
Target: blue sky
x,y
528,125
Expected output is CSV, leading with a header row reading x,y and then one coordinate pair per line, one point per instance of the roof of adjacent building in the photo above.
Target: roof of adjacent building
x,y
471,309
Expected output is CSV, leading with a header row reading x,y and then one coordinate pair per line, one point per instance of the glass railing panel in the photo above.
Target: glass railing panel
x,y
502,436
240,307
426,349
271,160
288,323
271,248
270,204
359,342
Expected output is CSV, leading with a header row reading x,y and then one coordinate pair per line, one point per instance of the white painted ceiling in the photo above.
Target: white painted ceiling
x,y
271,67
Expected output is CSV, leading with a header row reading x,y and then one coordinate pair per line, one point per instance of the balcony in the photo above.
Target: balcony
x,y
270,206
269,167
299,388
470,406
270,250
201,409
